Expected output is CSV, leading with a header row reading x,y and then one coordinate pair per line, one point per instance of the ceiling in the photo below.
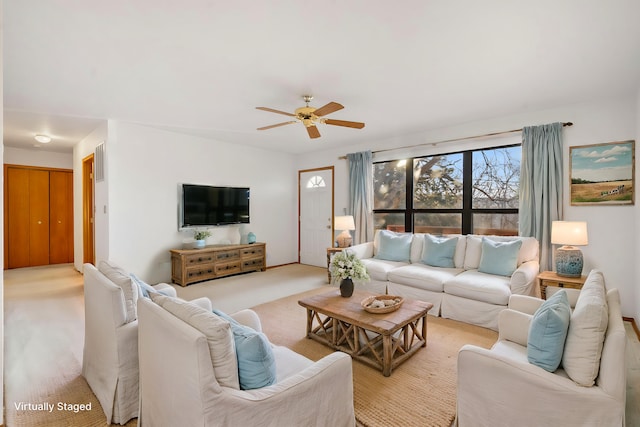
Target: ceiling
x,y
202,66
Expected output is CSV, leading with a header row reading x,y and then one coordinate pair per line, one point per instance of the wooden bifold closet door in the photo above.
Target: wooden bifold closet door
x,y
38,216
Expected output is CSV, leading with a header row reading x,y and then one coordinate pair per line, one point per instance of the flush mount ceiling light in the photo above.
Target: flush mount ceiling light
x,y
44,139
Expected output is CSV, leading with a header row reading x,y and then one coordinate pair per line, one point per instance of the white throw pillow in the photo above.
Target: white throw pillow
x,y
473,252
461,248
218,332
587,328
122,279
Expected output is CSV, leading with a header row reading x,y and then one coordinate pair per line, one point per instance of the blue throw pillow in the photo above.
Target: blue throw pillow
x,y
438,251
256,362
394,246
548,331
499,258
145,288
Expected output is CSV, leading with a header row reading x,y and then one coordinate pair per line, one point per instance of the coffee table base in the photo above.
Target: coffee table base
x,y
380,351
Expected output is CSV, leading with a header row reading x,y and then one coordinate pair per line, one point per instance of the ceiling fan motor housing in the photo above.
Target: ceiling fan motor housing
x,y
306,116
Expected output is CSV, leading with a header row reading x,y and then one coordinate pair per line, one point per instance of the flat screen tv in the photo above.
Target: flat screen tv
x,y
205,205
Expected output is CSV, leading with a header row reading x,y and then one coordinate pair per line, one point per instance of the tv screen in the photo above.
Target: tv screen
x,y
203,205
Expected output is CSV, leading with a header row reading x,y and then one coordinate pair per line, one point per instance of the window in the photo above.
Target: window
x,y
467,192
316,181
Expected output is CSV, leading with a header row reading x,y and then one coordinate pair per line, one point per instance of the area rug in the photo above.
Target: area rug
x,y
420,392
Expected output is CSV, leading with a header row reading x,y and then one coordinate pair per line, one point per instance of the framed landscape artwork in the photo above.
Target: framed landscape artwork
x,y
603,174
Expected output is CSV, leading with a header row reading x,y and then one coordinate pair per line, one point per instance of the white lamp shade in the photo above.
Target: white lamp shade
x,y
344,223
570,233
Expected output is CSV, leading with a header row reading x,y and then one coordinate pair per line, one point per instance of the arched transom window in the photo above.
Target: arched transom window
x,y
316,182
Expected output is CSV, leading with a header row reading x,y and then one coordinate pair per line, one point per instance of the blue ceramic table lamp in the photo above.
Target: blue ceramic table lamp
x,y
569,261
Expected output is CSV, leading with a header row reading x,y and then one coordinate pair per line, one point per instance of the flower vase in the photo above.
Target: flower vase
x,y
346,287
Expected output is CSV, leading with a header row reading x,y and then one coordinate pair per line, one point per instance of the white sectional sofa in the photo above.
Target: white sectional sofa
x,y
462,291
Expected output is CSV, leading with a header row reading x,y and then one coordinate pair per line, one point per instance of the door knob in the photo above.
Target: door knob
x,y
39,222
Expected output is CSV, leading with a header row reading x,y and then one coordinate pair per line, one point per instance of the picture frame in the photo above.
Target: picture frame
x,y
602,174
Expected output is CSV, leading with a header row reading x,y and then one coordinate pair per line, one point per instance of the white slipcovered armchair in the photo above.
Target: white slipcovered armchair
x,y
180,383
110,356
500,387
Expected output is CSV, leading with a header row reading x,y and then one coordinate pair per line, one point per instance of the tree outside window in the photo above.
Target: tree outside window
x,y
467,192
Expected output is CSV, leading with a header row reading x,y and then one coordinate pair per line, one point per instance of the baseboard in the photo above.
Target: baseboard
x,y
279,265
633,325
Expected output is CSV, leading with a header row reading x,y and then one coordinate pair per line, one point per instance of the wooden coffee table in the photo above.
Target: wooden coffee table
x,y
382,341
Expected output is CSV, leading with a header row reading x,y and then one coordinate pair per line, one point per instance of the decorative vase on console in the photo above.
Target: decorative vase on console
x,y
251,238
346,268
200,237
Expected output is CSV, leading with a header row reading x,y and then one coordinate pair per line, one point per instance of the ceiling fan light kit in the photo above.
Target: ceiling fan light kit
x,y
310,117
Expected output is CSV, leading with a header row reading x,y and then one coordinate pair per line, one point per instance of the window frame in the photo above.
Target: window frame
x,y
467,211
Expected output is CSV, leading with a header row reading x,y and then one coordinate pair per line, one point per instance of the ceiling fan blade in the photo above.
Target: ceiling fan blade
x,y
356,125
275,111
279,124
313,132
328,109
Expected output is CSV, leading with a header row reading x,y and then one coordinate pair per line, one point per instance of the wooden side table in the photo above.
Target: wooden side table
x,y
330,253
551,278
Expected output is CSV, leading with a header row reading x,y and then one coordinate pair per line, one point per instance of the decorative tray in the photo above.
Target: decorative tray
x,y
382,303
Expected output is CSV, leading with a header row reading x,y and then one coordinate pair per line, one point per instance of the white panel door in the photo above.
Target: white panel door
x,y
316,216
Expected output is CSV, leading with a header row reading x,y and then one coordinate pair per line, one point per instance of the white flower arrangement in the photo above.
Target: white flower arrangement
x,y
345,265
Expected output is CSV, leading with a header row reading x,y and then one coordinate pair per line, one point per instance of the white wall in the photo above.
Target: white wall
x,y
613,235
145,166
636,313
81,150
35,157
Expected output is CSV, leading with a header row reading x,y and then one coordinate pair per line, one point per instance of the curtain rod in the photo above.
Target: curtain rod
x,y
455,139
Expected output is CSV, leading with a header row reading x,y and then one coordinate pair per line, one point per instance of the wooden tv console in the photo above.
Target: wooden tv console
x,y
195,265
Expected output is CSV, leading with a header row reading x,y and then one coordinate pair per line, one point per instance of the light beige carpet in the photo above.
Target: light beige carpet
x,y
420,392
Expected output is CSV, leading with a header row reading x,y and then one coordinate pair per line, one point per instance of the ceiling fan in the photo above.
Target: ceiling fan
x,y
310,116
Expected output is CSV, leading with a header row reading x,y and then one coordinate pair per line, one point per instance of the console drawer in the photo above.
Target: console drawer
x,y
224,256
253,264
257,251
227,268
201,273
204,258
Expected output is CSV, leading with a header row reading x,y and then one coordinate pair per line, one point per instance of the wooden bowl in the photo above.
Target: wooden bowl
x,y
392,303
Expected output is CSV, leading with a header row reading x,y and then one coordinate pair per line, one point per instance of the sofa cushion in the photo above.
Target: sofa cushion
x,y
215,329
587,328
439,251
417,248
122,279
423,276
499,258
288,362
461,248
478,286
473,252
548,331
379,269
394,246
528,250
256,363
